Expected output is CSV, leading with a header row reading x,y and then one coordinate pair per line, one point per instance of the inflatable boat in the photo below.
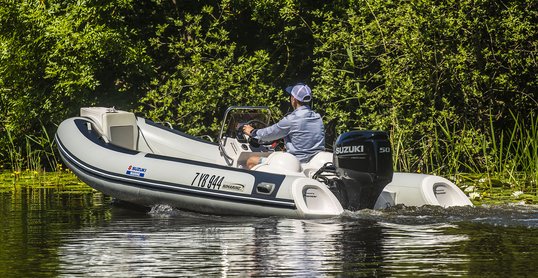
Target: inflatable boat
x,y
140,161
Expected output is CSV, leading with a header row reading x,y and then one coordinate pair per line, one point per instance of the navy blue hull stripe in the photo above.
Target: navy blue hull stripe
x,y
170,187
260,177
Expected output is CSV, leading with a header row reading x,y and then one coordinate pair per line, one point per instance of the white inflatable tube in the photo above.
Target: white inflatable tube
x,y
419,189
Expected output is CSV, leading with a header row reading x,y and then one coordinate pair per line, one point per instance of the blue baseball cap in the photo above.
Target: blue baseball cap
x,y
301,92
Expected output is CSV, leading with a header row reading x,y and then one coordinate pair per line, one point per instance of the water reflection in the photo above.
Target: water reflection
x,y
46,234
421,250
178,244
187,244
30,223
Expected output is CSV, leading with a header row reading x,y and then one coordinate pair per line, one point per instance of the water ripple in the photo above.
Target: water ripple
x,y
398,241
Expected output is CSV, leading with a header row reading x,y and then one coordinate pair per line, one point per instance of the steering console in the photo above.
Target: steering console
x,y
243,138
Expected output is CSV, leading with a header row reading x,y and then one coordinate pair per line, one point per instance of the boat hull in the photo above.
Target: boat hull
x,y
148,179
137,161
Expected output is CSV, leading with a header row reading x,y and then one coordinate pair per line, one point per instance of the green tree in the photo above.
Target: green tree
x,y
57,56
432,73
403,66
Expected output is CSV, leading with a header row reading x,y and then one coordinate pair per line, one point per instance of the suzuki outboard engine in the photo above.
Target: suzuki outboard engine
x,y
363,162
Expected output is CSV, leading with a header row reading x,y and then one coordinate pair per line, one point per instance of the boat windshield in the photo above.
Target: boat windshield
x,y
257,117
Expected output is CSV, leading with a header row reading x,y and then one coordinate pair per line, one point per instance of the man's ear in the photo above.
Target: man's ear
x,y
294,102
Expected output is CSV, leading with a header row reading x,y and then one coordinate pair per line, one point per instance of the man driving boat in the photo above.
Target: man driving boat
x,y
302,130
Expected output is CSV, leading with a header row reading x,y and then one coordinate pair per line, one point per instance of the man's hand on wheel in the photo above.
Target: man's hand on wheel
x,y
247,129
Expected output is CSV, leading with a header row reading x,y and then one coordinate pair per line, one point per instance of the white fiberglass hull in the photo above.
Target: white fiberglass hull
x,y
149,179
138,161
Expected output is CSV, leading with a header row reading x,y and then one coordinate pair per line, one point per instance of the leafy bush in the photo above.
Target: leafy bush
x,y
57,56
438,75
210,72
402,66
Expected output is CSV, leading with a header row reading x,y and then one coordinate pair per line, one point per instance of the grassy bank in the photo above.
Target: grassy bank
x,y
491,189
64,181
490,166
480,189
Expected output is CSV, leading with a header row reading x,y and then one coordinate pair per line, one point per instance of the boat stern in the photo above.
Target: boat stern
x,y
418,189
314,200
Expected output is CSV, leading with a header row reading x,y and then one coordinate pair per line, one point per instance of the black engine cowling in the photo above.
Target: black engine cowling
x,y
363,161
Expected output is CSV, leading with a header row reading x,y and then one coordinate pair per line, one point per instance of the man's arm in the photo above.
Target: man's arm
x,y
271,133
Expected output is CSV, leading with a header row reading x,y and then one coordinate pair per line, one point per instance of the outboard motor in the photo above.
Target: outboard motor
x,y
363,162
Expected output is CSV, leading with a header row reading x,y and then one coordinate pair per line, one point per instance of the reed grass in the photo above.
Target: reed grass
x,y
15,154
487,158
34,153
64,181
493,157
512,154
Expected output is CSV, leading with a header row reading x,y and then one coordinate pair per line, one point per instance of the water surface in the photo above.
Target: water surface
x,y
47,233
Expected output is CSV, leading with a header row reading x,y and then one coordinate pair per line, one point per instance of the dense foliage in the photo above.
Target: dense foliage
x,y
445,78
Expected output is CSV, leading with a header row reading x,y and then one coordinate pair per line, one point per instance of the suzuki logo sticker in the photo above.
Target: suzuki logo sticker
x,y
350,149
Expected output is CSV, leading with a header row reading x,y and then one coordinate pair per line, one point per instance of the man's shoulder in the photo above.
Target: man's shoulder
x,y
307,111
300,113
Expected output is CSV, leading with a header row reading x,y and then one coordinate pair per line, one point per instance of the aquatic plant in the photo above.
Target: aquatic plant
x,y
430,72
64,181
512,154
37,147
492,157
14,152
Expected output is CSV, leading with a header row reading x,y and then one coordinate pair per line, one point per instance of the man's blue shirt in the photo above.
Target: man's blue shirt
x,y
302,130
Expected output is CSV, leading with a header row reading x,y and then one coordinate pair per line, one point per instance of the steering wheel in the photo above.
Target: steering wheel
x,y
243,138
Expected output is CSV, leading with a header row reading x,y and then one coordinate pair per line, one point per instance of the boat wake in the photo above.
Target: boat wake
x,y
508,215
163,211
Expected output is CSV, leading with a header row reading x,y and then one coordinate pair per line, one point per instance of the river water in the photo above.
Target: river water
x,y
51,233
